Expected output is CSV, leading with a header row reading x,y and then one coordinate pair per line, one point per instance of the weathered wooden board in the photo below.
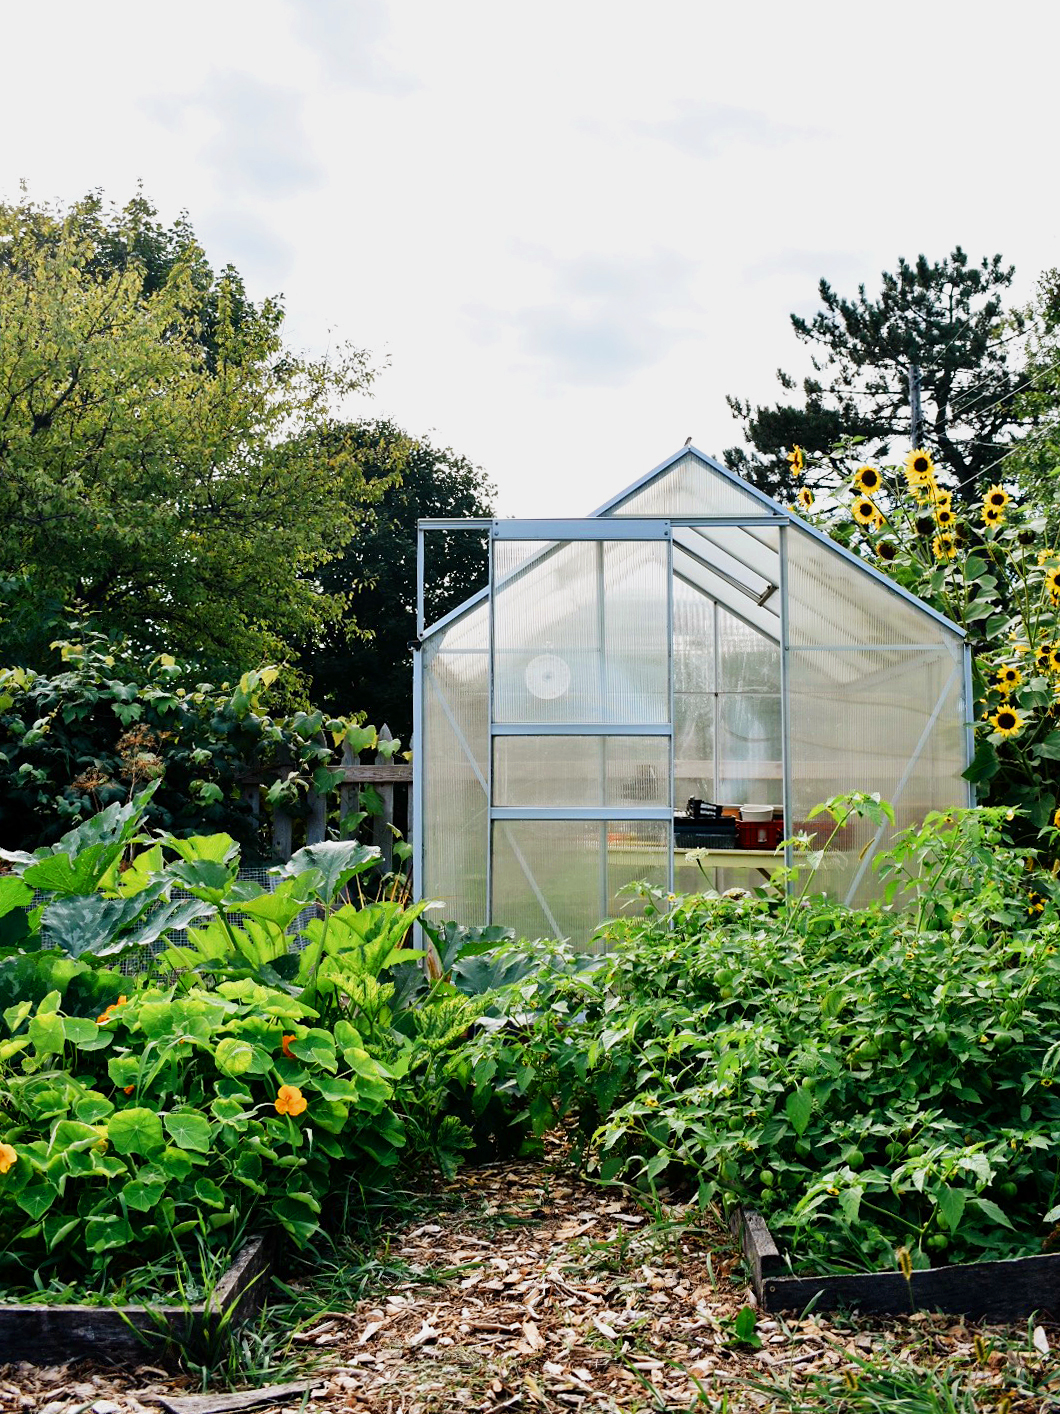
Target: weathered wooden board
x,y
115,1335
990,1291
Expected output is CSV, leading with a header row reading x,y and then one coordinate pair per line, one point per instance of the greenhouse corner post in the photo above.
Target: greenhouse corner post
x,y
785,704
969,721
670,842
491,672
418,758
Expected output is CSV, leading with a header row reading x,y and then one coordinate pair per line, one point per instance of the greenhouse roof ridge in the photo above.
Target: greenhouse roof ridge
x,y
775,508
753,494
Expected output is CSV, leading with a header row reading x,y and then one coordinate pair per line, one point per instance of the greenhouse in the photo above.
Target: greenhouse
x,y
625,685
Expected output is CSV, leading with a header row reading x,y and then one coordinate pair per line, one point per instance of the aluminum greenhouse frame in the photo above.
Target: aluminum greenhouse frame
x,y
690,638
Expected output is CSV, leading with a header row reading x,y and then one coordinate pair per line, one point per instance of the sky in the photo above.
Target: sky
x,y
564,231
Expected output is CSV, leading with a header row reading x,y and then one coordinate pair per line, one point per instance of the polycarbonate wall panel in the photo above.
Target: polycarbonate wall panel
x,y
833,603
581,633
563,877
581,771
455,756
689,488
694,677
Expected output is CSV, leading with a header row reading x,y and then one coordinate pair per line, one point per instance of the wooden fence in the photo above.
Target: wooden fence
x,y
383,774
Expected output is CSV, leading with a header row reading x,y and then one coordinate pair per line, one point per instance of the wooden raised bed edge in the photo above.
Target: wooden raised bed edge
x,y
988,1291
118,1335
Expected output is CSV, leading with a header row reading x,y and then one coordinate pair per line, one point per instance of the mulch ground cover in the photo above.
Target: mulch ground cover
x,y
525,1288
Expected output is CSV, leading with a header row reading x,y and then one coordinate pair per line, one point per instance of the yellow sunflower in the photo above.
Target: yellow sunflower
x,y
1043,657
919,466
1054,658
867,479
866,512
944,516
992,515
1006,721
1008,678
1052,582
797,461
1056,819
944,547
997,497
887,549
805,497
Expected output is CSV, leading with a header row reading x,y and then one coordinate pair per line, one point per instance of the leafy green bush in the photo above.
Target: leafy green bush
x,y
97,732
867,1078
266,1060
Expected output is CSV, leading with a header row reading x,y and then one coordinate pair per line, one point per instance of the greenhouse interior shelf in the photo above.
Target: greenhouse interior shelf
x,y
692,640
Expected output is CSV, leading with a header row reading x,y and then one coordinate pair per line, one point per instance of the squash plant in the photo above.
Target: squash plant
x,y
258,1064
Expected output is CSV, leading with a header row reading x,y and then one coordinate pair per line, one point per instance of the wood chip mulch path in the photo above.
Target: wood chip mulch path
x,y
533,1291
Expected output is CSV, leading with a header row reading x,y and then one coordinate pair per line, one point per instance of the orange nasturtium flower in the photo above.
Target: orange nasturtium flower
x,y
287,1046
8,1158
105,1016
290,1100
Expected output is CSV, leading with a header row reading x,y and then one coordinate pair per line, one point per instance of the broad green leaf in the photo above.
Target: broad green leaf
x,y
993,1212
143,1194
90,924
208,1192
798,1106
211,849
189,1129
335,861
951,1203
92,1107
36,1198
136,1131
850,1202
106,1233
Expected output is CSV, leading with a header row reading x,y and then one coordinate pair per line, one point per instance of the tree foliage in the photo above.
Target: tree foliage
x,y
377,573
167,462
947,319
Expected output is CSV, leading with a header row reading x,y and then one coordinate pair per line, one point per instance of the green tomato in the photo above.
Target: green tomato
x,y
1008,1189
938,1242
855,1158
766,1178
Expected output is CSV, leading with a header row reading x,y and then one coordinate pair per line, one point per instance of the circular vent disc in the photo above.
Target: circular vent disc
x,y
547,676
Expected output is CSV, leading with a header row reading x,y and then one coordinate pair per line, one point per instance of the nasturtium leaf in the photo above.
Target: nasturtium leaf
x,y
143,1194
80,1029
36,1198
123,1071
208,1192
15,1015
57,1226
136,1131
233,1056
47,1033
105,1233
229,1112
174,1162
189,1129
92,1107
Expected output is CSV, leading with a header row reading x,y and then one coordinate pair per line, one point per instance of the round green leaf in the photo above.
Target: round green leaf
x,y
189,1129
233,1056
136,1131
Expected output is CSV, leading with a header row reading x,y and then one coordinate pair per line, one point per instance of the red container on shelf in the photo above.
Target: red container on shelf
x,y
759,834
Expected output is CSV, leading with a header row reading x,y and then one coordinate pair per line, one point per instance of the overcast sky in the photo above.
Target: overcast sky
x,y
568,228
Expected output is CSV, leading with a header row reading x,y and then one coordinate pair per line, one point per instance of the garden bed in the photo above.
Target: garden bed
x,y
1010,1290
118,1335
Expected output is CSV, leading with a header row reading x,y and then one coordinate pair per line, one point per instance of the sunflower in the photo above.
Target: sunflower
x,y
918,466
944,547
1006,721
1043,657
887,549
867,479
1054,657
997,497
992,515
805,497
1052,582
866,512
1008,678
797,461
1056,819
944,516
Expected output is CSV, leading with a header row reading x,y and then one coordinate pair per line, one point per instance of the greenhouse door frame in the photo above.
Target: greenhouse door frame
x,y
552,534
